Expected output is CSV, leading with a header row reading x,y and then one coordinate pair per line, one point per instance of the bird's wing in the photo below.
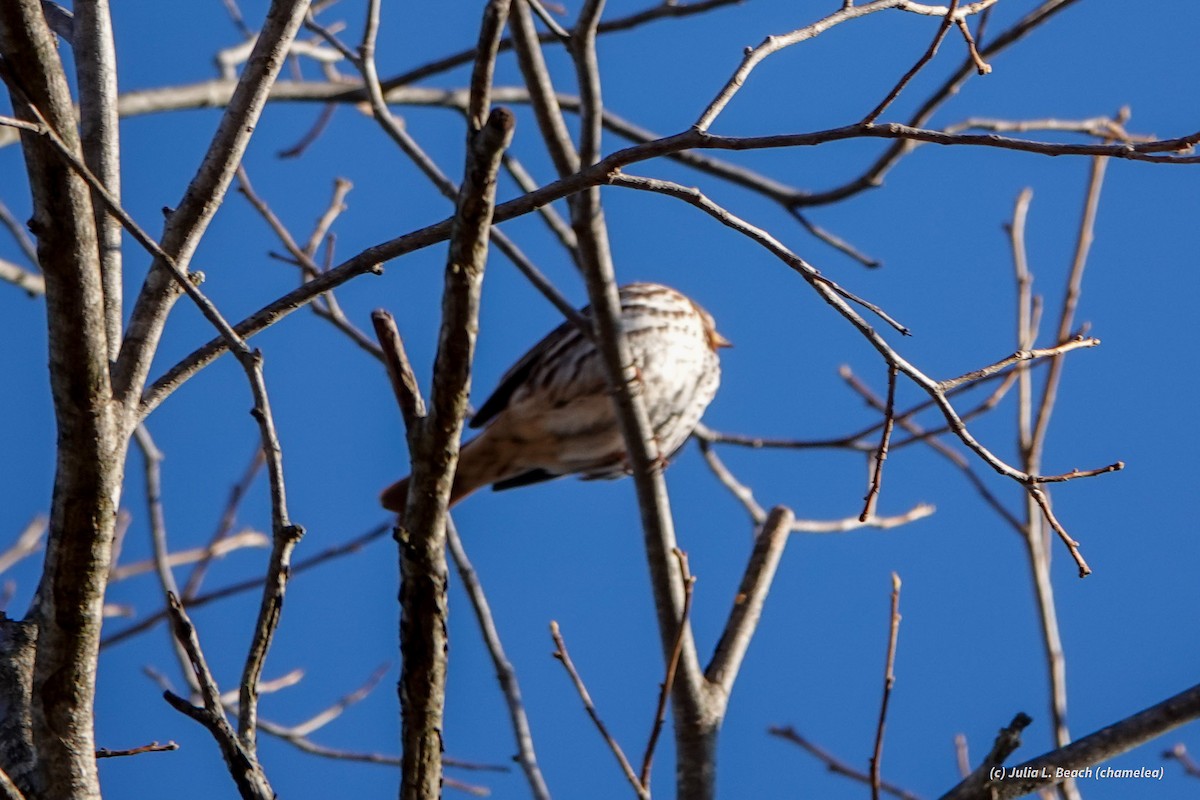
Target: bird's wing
x,y
521,372
525,479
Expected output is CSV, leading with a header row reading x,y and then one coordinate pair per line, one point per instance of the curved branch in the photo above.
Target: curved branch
x,y
1048,768
369,260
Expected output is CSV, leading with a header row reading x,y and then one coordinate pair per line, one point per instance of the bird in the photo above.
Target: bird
x,y
553,414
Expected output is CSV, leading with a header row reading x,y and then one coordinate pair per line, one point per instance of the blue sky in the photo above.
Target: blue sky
x,y
969,655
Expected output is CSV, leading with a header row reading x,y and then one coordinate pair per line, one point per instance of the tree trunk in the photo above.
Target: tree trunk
x,y
67,610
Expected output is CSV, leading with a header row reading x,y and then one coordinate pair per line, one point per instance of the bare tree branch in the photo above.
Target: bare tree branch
x,y
188,222
153,747
1093,749
748,602
925,58
24,242
889,680
836,765
29,540
243,766
33,284
303,565
664,694
1179,753
695,720
874,174
224,526
68,609
603,172
773,44
542,96
880,455
1006,743
564,657
434,442
8,789
1032,429
526,756
96,75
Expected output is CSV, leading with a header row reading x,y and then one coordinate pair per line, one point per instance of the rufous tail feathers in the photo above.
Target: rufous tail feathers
x,y
474,472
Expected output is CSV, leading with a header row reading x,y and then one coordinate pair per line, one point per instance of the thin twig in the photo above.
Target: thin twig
x,y
1026,330
834,241
773,44
962,755
547,109
369,260
1180,754
696,726
1116,466
313,133
748,603
889,680
554,221
657,11
664,694
327,306
33,283
335,710
242,763
330,553
739,490
1033,429
1105,128
152,461
928,55
695,197
836,765
981,66
564,658
758,514
1074,289
505,673
235,16
28,542
920,434
153,747
549,21
337,204
191,586
22,237
306,745
1039,497
399,369
873,176
1077,343
1005,744
285,681
889,420
187,223
847,524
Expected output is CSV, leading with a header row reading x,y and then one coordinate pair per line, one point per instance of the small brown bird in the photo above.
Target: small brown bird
x,y
552,414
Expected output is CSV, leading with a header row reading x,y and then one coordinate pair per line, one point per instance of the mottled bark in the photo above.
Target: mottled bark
x,y
17,642
91,449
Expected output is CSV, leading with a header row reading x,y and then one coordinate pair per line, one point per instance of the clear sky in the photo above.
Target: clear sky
x,y
969,653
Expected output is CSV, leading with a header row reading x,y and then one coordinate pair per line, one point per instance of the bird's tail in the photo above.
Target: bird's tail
x,y
394,497
474,472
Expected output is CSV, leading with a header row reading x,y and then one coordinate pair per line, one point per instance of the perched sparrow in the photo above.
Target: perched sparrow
x,y
553,415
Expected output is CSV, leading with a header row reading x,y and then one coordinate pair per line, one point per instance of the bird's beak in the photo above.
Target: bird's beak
x,y
716,340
